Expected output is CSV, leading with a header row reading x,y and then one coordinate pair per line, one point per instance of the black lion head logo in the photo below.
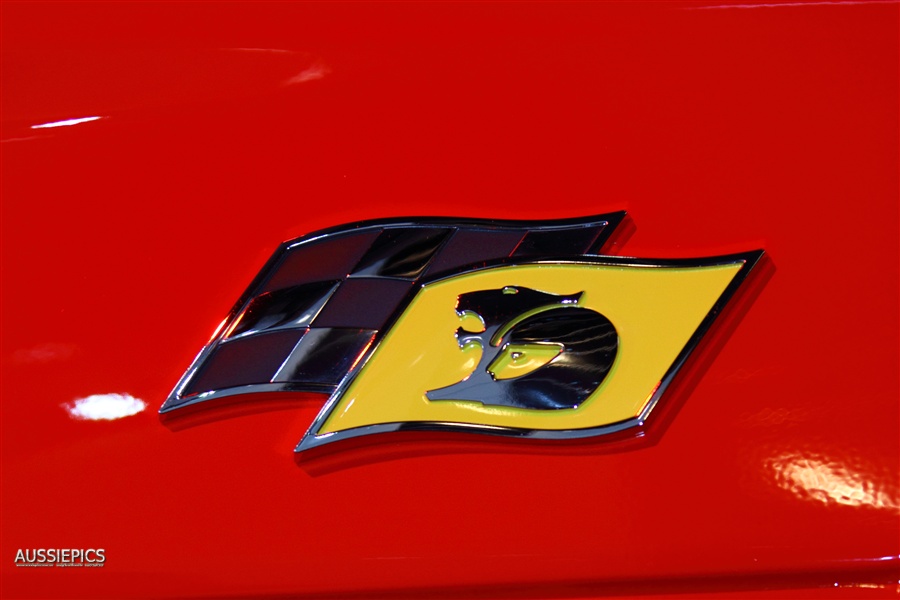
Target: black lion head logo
x,y
539,351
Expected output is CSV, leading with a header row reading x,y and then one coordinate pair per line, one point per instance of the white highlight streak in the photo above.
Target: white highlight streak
x,y
780,4
316,71
826,481
267,50
104,407
66,123
20,139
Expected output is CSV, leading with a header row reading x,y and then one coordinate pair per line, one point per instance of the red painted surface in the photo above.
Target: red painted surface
x,y
772,468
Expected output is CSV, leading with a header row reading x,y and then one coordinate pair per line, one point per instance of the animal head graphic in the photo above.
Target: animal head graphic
x,y
539,350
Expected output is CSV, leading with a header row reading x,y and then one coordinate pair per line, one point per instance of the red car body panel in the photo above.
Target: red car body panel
x,y
771,468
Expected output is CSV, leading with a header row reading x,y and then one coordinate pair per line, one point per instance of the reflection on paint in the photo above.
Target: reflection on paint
x,y
104,407
311,73
66,123
819,479
44,353
793,4
260,50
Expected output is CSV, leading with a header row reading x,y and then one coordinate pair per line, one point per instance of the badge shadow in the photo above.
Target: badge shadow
x,y
234,407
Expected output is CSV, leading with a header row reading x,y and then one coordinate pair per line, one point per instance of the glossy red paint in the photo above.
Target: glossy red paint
x,y
772,468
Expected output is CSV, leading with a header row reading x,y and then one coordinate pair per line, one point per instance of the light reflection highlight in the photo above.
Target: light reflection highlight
x,y
311,73
66,123
828,481
793,4
44,353
104,407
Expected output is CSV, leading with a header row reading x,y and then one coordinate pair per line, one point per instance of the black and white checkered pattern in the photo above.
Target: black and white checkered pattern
x,y
316,308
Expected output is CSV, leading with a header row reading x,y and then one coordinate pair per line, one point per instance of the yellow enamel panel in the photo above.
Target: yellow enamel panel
x,y
655,311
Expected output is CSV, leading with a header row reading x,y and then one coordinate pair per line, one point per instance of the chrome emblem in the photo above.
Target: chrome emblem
x,y
504,327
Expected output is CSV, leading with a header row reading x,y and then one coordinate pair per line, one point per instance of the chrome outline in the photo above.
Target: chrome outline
x,y
749,260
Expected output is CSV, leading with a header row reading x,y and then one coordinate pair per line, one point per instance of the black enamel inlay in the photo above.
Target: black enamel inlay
x,y
288,307
324,356
558,242
363,303
327,259
244,361
401,252
474,248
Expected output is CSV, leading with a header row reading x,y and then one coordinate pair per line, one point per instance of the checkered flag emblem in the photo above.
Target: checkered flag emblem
x,y
322,302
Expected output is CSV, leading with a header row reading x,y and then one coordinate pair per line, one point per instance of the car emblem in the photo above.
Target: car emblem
x,y
504,327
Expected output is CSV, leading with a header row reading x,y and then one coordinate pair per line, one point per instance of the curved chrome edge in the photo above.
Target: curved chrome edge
x,y
311,440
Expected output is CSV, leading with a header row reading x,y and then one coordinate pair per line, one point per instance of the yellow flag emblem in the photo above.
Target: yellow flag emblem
x,y
550,349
